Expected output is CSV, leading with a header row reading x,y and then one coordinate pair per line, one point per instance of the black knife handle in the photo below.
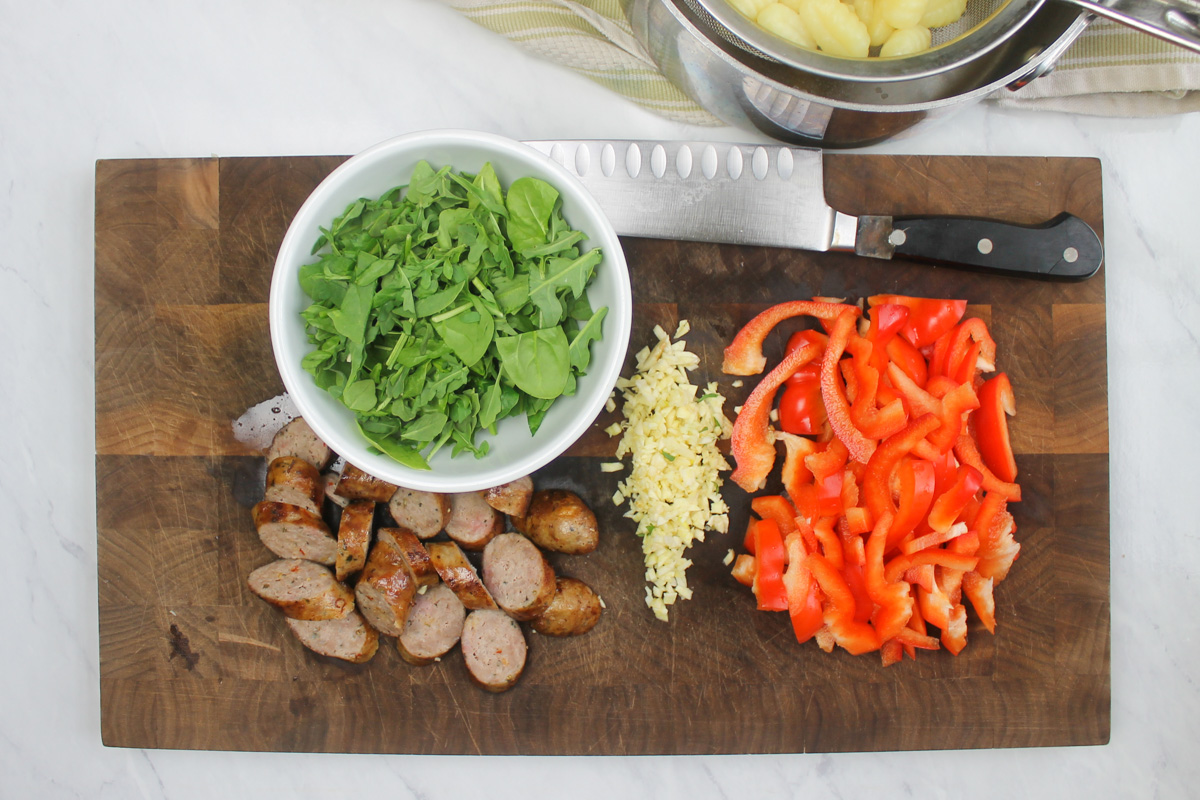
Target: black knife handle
x,y
1065,248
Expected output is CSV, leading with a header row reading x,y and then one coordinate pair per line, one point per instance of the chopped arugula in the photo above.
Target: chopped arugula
x,y
445,306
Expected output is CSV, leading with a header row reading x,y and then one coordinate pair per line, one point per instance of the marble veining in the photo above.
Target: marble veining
x,y
86,81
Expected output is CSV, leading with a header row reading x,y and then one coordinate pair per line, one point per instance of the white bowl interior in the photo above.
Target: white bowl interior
x,y
513,452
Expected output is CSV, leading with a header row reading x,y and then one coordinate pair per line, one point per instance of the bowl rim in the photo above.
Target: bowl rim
x,y
602,374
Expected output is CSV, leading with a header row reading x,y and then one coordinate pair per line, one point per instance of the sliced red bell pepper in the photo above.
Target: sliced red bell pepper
x,y
829,495
916,495
744,354
934,539
967,453
874,422
768,579
801,410
979,591
751,444
919,401
909,359
957,402
996,404
776,507
948,505
893,598
886,321
913,638
748,539
858,520
803,593
856,637
836,404
954,635
891,652
973,330
796,449
798,340
744,567
927,318
863,603
831,543
935,556
877,490
827,460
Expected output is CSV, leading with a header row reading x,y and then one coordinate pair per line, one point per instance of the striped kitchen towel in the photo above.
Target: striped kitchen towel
x,y
1111,70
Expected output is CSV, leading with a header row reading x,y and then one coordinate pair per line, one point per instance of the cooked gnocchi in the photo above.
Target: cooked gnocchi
x,y
854,28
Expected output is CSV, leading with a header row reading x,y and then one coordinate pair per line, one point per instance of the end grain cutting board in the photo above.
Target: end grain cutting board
x,y
190,659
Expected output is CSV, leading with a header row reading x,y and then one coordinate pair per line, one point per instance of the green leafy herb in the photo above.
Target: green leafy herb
x,y
445,305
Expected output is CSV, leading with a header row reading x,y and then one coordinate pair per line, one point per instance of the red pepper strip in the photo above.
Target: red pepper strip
x,y
920,402
955,404
933,539
886,321
987,520
797,448
849,491
996,404
824,463
803,593
751,444
916,495
954,635
941,558
776,507
891,652
856,637
894,598
748,539
979,591
909,359
969,331
863,604
858,521
853,550
965,370
920,576
851,379
744,568
798,340
935,607
965,449
876,489
806,533
998,557
829,495
831,543
913,638
948,505
768,580
808,507
966,544
873,422
951,582
836,405
927,319
801,409
744,354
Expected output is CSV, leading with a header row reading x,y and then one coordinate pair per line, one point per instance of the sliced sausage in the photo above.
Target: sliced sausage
x,y
575,609
459,574
354,484
473,523
349,638
517,574
302,589
414,553
434,625
494,649
511,498
295,481
386,588
559,520
354,537
423,513
290,531
330,479
297,439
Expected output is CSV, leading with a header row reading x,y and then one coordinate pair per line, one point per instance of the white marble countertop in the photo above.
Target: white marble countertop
x,y
129,78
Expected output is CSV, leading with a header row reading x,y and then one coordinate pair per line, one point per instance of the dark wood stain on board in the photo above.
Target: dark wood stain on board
x,y
184,251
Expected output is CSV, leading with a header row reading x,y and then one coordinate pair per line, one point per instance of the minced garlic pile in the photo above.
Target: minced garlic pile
x,y
674,485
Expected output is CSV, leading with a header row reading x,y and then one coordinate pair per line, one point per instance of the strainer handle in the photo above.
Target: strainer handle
x,y
1175,21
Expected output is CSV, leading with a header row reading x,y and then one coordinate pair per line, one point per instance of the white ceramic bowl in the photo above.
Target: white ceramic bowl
x,y
513,452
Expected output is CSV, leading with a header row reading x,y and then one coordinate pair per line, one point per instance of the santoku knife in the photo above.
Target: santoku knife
x,y
774,195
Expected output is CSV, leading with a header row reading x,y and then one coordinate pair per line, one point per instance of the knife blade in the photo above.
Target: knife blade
x,y
774,196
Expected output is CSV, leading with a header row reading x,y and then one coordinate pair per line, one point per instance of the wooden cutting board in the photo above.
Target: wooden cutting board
x,y
190,659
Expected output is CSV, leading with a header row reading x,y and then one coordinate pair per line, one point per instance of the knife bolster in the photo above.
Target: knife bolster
x,y
873,237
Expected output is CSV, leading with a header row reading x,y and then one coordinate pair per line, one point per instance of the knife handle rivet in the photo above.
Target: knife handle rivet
x,y
1070,255
984,246
897,238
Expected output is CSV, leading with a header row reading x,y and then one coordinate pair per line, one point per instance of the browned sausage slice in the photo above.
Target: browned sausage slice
x,y
295,481
473,523
297,439
301,589
290,531
459,574
494,649
511,498
386,587
518,576
414,553
330,479
423,513
356,484
348,638
354,537
434,626
575,609
559,520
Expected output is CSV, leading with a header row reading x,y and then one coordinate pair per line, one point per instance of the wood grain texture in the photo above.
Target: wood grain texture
x,y
191,659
